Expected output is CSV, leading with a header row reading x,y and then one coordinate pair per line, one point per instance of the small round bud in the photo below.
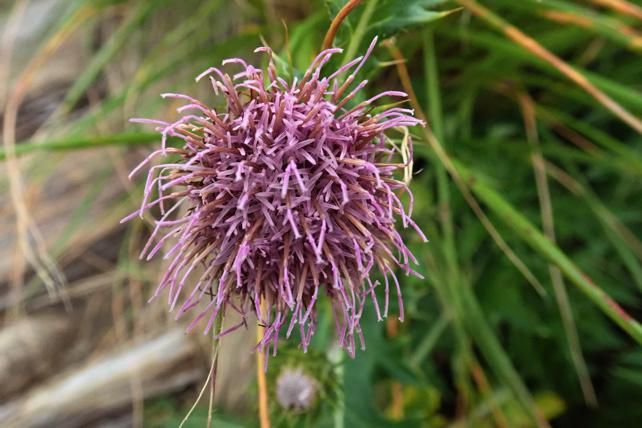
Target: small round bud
x,y
295,390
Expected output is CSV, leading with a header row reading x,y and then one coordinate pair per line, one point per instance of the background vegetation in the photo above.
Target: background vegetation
x,y
527,183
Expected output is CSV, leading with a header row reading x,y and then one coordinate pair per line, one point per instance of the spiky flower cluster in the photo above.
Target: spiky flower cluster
x,y
287,193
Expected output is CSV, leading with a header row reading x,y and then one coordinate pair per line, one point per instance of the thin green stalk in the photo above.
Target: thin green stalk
x,y
623,239
452,279
338,416
527,106
491,348
453,310
444,158
469,323
435,118
625,153
360,31
430,339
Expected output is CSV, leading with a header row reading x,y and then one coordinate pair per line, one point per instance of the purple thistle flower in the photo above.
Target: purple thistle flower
x,y
286,194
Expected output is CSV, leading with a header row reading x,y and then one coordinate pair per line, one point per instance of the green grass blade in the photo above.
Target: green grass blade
x,y
83,143
529,233
107,52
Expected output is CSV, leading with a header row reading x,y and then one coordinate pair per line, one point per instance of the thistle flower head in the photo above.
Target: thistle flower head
x,y
285,194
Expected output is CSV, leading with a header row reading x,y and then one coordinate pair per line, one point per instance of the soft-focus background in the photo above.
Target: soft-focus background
x,y
527,183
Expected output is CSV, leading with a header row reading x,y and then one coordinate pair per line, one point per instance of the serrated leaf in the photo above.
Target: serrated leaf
x,y
393,16
389,17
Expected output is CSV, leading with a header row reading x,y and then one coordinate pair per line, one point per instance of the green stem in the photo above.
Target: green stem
x,y
435,119
360,31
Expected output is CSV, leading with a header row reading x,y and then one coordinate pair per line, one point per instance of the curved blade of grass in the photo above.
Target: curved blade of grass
x,y
538,50
531,235
429,340
479,328
583,17
576,128
514,149
527,106
83,143
511,53
435,119
626,154
622,6
457,292
107,52
623,239
156,70
404,77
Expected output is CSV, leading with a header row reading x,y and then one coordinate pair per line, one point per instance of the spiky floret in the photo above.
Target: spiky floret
x,y
283,195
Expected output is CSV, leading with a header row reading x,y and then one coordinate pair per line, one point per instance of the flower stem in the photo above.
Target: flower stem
x,y
336,23
260,374
216,331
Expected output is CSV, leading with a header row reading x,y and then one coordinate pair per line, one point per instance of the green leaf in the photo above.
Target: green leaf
x,y
393,16
385,18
